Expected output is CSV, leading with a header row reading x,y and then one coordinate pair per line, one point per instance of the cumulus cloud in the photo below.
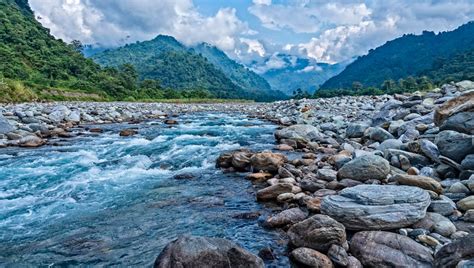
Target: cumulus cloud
x,y
111,23
343,29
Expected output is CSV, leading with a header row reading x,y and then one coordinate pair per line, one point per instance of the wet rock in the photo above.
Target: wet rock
x,y
454,145
267,254
241,160
269,162
385,249
259,177
452,254
365,168
318,232
286,217
193,251
311,258
272,192
31,141
377,207
128,132
170,122
423,182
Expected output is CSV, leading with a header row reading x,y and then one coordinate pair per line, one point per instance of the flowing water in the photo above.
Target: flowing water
x,y
109,200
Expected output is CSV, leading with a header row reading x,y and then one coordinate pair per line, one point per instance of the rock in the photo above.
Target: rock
x,y
193,251
225,160
365,168
385,249
458,187
304,133
468,162
59,114
462,103
74,116
454,145
428,240
286,217
429,149
241,160
423,182
267,254
353,262
469,215
284,147
259,177
413,158
460,122
377,207
338,255
5,126
128,132
443,206
272,192
269,162
313,204
286,197
378,134
327,174
311,185
444,226
31,141
311,258
453,253
390,144
318,232
355,130
466,203
170,122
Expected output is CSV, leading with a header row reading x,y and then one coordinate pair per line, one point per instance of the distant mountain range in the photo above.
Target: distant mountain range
x,y
179,67
412,55
306,74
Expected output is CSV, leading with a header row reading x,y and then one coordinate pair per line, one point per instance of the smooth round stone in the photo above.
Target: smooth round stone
x,y
377,207
365,168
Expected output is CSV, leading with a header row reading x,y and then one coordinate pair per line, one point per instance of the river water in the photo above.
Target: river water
x,y
109,200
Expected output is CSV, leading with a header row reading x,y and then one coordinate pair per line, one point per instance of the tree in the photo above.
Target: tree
x,y
77,46
357,86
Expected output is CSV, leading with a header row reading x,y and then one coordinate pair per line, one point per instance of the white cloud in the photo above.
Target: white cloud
x,y
111,23
262,2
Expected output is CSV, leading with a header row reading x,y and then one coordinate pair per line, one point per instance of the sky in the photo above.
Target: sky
x,y
254,32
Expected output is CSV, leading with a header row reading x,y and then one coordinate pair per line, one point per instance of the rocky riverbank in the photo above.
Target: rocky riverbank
x,y
382,181
377,181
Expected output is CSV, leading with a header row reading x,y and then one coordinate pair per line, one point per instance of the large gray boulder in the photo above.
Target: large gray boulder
x,y
377,207
364,168
461,122
5,126
304,133
455,145
194,251
385,249
453,253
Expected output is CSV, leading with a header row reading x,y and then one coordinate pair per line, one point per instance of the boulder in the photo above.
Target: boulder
x,y
128,132
461,122
338,255
453,253
318,232
367,167
466,203
194,251
385,249
378,134
413,158
377,207
356,130
266,161
311,258
301,132
455,145
5,126
31,141
241,160
286,217
423,182
272,192
462,103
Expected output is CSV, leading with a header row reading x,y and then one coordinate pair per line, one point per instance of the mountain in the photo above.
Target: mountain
x,y
457,67
409,55
179,67
33,61
238,74
295,73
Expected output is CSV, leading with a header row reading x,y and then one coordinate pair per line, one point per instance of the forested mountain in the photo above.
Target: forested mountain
x,y
175,66
35,65
239,74
298,73
409,55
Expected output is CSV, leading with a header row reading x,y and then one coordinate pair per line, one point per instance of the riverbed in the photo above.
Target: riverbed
x,y
102,199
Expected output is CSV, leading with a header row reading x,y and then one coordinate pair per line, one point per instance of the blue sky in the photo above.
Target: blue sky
x,y
254,32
